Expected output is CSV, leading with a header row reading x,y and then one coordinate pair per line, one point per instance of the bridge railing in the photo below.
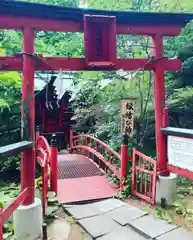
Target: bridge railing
x,y
7,151
46,156
102,154
43,157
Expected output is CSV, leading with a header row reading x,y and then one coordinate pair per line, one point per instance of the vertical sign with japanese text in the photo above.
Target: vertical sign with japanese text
x,y
127,116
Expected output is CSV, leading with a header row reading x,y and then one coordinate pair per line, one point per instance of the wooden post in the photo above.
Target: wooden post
x,y
1,229
37,132
165,117
159,105
54,163
71,140
27,115
124,161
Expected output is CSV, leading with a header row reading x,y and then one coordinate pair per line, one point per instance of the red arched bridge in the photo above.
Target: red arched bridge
x,y
81,174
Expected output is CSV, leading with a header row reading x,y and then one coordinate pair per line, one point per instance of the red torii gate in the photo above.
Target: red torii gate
x,y
100,29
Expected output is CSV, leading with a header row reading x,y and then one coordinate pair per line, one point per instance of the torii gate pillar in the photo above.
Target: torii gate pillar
x,y
159,105
166,186
27,219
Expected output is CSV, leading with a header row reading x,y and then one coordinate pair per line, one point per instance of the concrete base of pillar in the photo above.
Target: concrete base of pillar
x,y
166,189
27,221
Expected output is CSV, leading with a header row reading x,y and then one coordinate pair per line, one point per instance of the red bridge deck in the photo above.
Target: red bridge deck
x,y
80,179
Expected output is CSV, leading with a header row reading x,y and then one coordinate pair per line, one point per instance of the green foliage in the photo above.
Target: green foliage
x,y
66,3
7,194
10,94
10,168
110,4
97,104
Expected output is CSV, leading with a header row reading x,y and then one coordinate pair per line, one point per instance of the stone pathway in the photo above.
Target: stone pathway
x,y
61,229
113,219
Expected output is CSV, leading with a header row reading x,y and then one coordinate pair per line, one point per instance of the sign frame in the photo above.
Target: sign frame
x,y
184,134
128,129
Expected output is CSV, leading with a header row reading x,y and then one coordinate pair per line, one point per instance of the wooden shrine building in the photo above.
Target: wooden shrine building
x,y
53,115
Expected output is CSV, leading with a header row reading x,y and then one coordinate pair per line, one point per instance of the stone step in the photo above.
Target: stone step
x,y
113,219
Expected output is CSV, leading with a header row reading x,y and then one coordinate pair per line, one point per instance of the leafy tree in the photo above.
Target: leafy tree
x,y
97,104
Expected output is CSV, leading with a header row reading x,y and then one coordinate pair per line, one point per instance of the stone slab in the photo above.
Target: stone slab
x,y
125,214
122,233
83,211
99,225
177,234
59,228
108,204
151,227
67,206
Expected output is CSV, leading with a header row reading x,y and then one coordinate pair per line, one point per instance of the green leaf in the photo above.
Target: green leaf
x,y
6,235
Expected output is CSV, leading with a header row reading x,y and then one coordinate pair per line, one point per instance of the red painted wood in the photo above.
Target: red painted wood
x,y
135,64
7,212
100,40
17,23
72,64
133,184
165,117
124,165
180,171
159,104
107,164
149,30
28,116
144,168
1,229
43,157
92,146
54,167
84,189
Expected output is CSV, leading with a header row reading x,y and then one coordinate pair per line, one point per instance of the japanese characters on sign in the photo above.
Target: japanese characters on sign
x,y
99,43
180,152
127,116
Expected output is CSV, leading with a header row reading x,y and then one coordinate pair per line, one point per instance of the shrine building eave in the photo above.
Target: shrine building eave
x,y
52,12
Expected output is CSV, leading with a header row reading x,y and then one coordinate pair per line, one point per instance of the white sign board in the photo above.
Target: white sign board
x,y
180,152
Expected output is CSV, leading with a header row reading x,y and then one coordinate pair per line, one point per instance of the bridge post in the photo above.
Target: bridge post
x,y
37,132
70,141
54,163
124,161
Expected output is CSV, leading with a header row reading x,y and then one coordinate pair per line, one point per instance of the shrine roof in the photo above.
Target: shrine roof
x,y
35,10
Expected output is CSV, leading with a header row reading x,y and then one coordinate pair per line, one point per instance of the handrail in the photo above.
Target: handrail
x,y
43,156
99,152
6,151
180,132
39,159
145,157
101,157
42,141
100,142
12,149
7,212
